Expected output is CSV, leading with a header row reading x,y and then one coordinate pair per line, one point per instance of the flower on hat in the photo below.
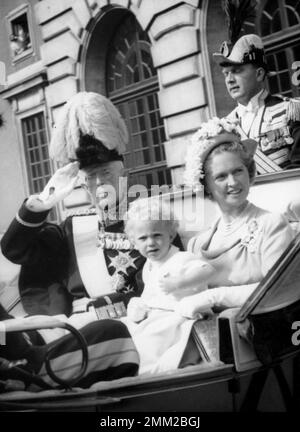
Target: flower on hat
x,y
202,143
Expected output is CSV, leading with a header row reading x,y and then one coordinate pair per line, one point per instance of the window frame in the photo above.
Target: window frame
x,y
135,91
20,117
29,162
12,16
283,39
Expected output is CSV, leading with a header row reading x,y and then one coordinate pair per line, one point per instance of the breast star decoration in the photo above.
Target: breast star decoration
x,y
121,263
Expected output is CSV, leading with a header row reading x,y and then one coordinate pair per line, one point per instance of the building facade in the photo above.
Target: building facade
x,y
152,58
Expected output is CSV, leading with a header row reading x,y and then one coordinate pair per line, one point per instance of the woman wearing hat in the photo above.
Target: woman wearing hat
x,y
245,242
84,269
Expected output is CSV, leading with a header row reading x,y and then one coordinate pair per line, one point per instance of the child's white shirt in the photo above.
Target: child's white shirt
x,y
175,263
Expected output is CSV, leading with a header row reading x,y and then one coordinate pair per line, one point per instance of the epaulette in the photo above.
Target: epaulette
x,y
283,98
81,212
293,109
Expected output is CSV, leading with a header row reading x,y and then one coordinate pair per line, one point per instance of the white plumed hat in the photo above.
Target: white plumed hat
x,y
93,115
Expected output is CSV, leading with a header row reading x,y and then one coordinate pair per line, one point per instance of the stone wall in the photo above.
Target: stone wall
x,y
174,31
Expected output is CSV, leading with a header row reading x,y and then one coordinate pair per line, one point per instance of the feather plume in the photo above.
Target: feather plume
x,y
237,12
87,113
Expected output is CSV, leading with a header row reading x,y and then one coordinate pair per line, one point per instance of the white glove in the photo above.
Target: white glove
x,y
224,297
168,283
229,296
58,187
194,306
137,309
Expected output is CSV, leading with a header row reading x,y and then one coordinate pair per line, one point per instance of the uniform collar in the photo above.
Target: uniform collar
x,y
254,104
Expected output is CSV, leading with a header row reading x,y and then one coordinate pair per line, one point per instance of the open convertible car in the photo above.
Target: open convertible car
x,y
250,361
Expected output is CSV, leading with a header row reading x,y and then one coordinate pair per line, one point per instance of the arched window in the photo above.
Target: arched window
x,y
132,86
278,23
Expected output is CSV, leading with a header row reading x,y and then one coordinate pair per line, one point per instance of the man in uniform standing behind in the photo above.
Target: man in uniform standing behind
x,y
273,121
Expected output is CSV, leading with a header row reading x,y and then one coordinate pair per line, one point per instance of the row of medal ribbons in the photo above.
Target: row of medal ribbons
x,y
276,138
109,240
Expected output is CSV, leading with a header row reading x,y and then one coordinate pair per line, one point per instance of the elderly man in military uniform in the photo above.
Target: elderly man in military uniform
x,y
83,271
87,257
273,121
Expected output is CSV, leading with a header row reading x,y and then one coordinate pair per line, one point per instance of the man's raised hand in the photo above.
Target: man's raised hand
x,y
58,188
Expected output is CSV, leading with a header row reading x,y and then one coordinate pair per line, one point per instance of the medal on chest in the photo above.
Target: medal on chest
x,y
122,265
112,240
122,259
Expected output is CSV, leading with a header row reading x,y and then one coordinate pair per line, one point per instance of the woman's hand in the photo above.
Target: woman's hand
x,y
137,310
221,297
168,284
58,188
195,306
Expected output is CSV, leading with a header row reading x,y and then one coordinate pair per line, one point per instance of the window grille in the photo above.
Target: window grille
x,y
278,24
37,155
132,85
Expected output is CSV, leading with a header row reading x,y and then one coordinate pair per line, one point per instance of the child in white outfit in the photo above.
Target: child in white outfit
x,y
169,275
158,320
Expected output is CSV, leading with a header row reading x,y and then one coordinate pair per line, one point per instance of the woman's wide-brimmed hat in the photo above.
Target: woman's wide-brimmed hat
x,y
211,134
89,129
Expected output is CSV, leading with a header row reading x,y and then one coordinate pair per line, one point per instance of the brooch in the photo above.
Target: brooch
x,y
250,237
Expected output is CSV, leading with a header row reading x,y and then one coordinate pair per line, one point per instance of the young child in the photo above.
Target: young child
x,y
170,276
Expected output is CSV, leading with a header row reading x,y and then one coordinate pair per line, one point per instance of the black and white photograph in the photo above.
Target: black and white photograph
x,y
150,210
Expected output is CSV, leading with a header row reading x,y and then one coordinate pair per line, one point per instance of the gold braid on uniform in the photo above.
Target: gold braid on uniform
x,y
293,110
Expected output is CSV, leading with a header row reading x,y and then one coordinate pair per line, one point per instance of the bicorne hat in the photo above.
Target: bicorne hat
x,y
247,49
